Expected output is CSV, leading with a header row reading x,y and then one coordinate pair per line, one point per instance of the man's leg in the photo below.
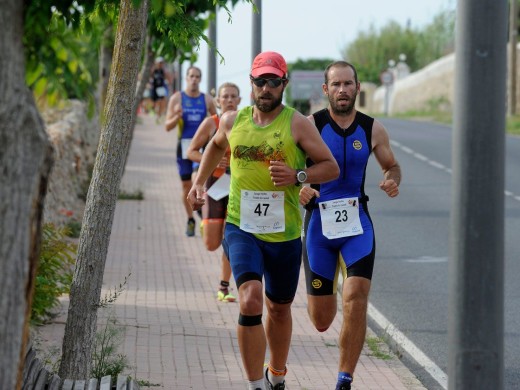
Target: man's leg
x,y
190,227
186,186
322,310
223,293
251,335
278,328
353,329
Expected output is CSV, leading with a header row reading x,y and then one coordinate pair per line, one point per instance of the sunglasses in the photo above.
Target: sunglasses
x,y
272,83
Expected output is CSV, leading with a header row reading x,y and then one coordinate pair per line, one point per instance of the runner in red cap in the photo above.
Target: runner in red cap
x,y
269,144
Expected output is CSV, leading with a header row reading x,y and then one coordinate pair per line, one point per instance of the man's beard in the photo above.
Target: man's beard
x,y
343,110
268,107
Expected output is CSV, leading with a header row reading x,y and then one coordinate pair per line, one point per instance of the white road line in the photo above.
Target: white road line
x,y
404,343
438,165
408,346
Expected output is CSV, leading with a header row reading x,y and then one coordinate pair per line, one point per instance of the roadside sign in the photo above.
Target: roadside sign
x,y
386,77
306,84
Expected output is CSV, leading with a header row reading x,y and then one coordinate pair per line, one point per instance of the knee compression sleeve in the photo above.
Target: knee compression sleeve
x,y
249,320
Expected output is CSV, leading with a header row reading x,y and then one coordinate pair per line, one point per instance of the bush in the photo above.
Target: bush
x,y
54,274
105,359
73,228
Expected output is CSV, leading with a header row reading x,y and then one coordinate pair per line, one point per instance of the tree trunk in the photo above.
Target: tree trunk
x,y
25,161
114,142
146,69
105,61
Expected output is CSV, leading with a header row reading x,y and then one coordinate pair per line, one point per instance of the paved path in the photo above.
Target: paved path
x,y
176,335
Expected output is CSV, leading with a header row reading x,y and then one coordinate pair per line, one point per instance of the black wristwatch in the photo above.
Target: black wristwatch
x,y
301,176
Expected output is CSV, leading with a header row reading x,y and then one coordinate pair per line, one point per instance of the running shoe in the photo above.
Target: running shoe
x,y
225,296
279,386
190,228
343,386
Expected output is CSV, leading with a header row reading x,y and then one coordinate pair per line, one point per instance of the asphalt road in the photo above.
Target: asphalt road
x,y
411,282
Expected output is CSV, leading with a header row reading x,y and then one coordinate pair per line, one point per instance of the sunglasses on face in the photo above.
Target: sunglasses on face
x,y
272,83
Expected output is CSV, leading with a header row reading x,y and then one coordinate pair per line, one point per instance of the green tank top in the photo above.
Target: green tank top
x,y
252,147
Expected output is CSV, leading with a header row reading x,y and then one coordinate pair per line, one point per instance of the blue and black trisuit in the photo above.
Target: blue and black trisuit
x,y
324,257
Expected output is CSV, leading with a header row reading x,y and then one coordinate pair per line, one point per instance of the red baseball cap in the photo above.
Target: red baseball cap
x,y
269,62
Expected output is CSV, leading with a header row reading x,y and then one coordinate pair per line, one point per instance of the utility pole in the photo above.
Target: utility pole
x,y
212,56
513,39
256,44
256,36
476,315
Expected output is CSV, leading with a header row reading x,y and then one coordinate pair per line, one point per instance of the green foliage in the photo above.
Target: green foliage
x,y
73,228
54,274
372,49
61,62
513,125
146,383
183,23
105,359
62,40
310,64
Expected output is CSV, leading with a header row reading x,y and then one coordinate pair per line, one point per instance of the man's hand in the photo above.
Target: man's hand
x,y
281,174
224,163
306,194
390,187
196,197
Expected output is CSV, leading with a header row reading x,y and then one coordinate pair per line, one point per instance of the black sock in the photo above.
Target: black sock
x,y
224,285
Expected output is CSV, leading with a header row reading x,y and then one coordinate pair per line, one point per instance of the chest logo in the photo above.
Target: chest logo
x,y
357,144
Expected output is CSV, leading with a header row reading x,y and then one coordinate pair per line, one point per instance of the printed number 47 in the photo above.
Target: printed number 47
x,y
261,209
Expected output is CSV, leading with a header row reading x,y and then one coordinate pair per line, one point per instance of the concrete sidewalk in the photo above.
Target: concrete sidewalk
x,y
176,334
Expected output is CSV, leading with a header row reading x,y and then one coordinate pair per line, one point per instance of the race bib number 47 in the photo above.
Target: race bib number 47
x,y
262,211
340,218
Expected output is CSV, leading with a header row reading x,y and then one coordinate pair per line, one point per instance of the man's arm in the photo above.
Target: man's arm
x,y
173,112
385,157
201,138
210,104
211,157
325,167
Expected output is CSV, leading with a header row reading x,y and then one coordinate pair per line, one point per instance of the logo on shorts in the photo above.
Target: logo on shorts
x,y
357,144
316,283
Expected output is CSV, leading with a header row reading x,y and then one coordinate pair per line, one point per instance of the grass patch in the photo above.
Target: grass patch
x,y
375,344
134,195
513,125
146,383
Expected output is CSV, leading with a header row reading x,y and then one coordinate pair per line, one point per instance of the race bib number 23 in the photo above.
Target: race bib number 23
x,y
340,218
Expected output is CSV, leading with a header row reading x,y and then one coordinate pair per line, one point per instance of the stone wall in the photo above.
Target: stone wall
x,y
421,90
75,137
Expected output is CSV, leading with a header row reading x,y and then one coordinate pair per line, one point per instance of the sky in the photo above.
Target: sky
x,y
304,29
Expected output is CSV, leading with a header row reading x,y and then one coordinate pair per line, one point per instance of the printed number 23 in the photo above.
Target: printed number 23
x,y
259,207
341,215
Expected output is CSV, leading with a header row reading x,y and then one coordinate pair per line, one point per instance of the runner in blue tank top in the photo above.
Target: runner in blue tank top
x,y
338,229
186,111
